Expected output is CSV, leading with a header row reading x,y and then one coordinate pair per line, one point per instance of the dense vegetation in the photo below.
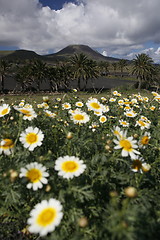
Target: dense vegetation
x,y
80,169
29,75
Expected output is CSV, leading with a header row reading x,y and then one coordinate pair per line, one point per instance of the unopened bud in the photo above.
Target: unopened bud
x,y
146,167
83,222
48,188
130,192
69,135
113,194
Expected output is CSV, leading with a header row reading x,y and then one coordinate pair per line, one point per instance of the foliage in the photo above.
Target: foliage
x,y
95,204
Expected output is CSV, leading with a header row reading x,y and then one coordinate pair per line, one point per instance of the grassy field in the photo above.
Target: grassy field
x,y
77,167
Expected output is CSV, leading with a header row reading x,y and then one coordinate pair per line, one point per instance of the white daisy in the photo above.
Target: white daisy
x,y
36,174
78,117
130,113
6,146
143,142
28,113
128,146
103,119
94,104
69,166
118,132
4,110
45,216
66,105
124,123
31,138
142,124
79,104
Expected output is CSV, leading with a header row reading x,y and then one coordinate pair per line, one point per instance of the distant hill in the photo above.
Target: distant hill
x,y
70,50
62,55
5,53
21,55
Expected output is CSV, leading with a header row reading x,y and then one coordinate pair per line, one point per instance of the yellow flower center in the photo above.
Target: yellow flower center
x,y
46,217
31,138
136,165
78,117
24,111
129,114
70,166
103,119
8,143
34,175
145,140
141,123
126,145
95,105
4,111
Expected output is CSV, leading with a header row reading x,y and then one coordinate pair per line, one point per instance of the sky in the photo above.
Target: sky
x,y
115,28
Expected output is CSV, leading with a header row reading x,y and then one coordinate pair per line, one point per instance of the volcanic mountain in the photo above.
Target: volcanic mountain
x,y
71,50
62,55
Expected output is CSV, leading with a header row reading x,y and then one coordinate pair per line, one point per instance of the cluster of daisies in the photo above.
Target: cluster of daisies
x,y
46,215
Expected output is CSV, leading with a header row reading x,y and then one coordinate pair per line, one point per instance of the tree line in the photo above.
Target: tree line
x,y
80,68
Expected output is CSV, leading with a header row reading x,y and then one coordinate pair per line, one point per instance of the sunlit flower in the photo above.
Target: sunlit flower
x,y
143,124
69,166
45,216
146,167
124,123
103,119
118,132
66,105
79,117
97,113
94,126
105,108
120,102
28,113
103,99
115,93
46,99
50,114
36,175
152,108
130,114
146,99
4,110
79,104
143,142
94,104
112,99
155,94
128,146
31,138
6,146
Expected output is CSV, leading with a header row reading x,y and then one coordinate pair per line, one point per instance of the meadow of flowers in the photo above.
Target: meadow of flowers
x,y
80,169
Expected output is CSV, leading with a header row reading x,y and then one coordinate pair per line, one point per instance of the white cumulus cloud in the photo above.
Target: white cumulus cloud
x,y
118,27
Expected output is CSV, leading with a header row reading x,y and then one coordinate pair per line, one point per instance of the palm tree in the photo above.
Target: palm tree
x,y
23,76
39,72
122,64
104,67
114,65
4,69
83,68
143,68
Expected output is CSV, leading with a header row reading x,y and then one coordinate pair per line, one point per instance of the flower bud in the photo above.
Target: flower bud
x,y
83,222
69,135
130,192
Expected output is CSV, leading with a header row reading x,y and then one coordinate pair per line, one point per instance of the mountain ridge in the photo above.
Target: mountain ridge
x,y
62,55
